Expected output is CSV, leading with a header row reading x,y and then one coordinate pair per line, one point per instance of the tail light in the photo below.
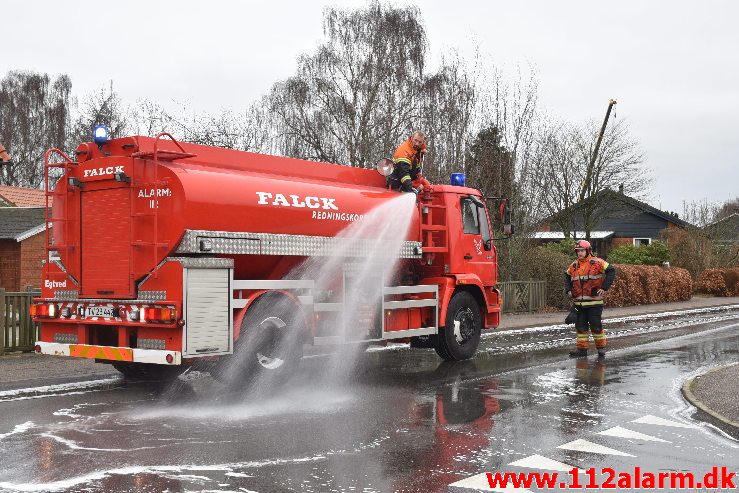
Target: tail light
x,y
164,314
49,310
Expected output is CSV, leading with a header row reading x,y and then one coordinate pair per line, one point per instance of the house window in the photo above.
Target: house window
x,y
642,241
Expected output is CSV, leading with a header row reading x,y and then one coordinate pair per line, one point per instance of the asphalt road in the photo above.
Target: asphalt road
x,y
386,420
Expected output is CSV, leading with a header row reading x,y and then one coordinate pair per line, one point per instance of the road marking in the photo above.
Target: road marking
x,y
540,462
581,445
620,432
657,421
480,482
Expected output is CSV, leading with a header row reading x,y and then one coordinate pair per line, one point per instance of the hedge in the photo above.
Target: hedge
x,y
647,284
719,282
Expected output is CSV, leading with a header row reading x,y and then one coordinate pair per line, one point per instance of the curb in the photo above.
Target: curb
x,y
695,401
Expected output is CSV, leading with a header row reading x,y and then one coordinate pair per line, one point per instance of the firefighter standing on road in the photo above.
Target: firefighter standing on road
x,y
586,281
408,158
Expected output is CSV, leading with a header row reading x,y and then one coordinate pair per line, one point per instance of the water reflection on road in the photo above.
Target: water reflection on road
x,y
400,421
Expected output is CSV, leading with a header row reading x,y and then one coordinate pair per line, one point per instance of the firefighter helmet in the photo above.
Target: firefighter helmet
x,y
582,245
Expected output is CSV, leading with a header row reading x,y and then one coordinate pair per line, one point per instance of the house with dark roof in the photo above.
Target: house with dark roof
x,y
22,247
616,219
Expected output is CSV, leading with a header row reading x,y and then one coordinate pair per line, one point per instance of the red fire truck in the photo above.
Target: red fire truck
x,y
164,254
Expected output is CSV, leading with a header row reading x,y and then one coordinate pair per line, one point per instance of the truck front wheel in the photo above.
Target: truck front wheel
x,y
459,338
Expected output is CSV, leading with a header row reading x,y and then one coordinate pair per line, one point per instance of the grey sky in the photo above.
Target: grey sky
x,y
672,65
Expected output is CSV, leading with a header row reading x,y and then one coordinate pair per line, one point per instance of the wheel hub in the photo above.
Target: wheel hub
x,y
268,354
464,325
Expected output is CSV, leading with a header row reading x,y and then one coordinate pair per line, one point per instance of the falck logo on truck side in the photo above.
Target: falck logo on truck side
x,y
278,199
110,170
324,208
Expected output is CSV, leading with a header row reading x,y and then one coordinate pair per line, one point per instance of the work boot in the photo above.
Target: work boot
x,y
579,353
601,353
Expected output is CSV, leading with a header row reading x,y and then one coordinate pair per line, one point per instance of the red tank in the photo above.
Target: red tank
x,y
124,197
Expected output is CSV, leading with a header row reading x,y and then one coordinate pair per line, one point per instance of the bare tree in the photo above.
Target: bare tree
x,y
102,107
448,99
246,131
354,98
563,154
34,116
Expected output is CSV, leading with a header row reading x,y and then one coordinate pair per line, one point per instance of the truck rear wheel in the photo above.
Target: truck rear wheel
x,y
147,372
270,344
459,338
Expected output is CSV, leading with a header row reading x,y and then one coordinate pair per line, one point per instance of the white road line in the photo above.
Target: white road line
x,y
620,432
657,421
540,462
581,445
480,482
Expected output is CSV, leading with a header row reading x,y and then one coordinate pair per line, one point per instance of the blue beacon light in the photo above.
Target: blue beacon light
x,y
457,179
101,134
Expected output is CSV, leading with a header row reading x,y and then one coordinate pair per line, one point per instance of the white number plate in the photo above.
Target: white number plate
x,y
100,311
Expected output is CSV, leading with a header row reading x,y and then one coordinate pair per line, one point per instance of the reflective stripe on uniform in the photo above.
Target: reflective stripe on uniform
x,y
588,303
402,160
405,178
600,339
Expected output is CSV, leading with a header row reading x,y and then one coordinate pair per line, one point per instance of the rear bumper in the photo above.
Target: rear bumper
x,y
110,353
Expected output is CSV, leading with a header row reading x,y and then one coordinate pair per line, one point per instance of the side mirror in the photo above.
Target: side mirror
x,y
488,245
506,216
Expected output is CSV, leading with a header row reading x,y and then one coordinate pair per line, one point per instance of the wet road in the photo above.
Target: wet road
x,y
395,420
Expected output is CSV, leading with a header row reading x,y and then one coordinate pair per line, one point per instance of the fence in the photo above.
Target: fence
x,y
17,331
523,296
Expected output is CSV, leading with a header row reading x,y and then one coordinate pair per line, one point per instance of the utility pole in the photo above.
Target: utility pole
x,y
591,165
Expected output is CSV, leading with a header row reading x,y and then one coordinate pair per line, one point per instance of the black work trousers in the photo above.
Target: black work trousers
x,y
589,321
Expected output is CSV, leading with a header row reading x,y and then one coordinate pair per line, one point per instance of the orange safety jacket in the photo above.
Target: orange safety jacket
x,y
408,160
586,277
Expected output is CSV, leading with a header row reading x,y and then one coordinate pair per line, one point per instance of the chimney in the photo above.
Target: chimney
x,y
621,189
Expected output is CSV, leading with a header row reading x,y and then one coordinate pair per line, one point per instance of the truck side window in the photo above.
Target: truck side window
x,y
484,225
470,218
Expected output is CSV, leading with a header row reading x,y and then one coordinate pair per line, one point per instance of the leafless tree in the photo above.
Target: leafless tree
x,y
562,157
101,107
354,98
247,131
34,116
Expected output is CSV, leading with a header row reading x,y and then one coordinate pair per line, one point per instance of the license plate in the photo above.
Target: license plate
x,y
101,311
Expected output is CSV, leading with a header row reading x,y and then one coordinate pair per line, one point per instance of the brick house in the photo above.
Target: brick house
x,y
22,247
621,220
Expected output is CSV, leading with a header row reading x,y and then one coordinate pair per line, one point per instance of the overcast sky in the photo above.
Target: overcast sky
x,y
673,65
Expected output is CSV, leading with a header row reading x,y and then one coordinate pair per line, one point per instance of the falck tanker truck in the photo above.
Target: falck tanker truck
x,y
163,255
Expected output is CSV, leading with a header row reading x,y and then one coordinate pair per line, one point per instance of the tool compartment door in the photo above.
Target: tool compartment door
x,y
106,243
208,316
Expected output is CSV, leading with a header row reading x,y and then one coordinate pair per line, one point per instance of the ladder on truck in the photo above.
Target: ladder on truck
x,y
147,178
433,229
50,191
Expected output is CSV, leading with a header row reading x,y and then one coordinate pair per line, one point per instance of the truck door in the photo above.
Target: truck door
x,y
475,236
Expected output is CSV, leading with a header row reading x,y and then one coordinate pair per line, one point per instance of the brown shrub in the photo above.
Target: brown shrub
x,y
646,284
719,282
